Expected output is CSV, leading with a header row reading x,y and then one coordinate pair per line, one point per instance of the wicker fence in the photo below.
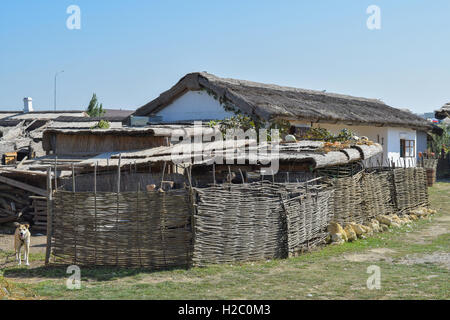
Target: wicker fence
x,y
260,220
307,217
238,223
378,193
135,229
222,223
410,188
371,192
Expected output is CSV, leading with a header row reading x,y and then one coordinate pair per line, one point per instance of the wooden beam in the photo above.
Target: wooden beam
x,y
24,186
21,162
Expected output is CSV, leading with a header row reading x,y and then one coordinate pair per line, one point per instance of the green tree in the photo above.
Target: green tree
x,y
441,142
94,109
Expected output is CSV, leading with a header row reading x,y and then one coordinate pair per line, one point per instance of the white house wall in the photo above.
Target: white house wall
x,y
388,137
394,136
194,105
422,143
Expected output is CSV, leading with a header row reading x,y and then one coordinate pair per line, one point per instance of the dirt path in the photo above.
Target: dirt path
x,y
440,225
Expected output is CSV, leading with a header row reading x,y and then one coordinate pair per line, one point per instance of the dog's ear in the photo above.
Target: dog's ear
x,y
16,224
26,225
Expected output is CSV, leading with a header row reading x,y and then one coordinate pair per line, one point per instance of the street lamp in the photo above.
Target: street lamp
x,y
56,74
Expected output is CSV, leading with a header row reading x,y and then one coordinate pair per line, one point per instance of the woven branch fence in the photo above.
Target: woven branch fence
x,y
133,229
378,194
238,223
222,223
260,220
410,188
308,215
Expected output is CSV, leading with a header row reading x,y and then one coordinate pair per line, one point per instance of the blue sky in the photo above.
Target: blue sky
x,y
128,52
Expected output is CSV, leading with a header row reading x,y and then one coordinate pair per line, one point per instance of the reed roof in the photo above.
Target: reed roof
x,y
269,102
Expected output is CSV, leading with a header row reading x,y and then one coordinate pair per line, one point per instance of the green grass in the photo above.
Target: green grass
x,y
321,274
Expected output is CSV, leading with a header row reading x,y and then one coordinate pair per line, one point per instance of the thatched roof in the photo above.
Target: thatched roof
x,y
226,152
443,112
269,102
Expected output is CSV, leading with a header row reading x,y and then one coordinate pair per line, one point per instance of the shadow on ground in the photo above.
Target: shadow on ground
x,y
92,273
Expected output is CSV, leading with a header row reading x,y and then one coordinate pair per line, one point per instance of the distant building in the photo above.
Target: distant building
x,y
21,131
443,112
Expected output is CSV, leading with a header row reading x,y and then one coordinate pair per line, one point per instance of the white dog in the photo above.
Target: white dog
x,y
22,237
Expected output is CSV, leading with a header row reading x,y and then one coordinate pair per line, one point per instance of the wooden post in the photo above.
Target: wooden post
x,y
118,173
162,176
73,177
74,213
49,215
242,176
138,223
56,170
95,208
117,212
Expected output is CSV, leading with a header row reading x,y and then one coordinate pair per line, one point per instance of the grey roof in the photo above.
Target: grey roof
x,y
47,115
269,101
117,113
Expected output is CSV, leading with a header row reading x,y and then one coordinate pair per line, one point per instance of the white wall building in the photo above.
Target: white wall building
x,y
202,96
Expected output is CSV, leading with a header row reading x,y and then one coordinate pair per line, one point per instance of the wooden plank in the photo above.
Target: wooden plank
x,y
21,162
23,186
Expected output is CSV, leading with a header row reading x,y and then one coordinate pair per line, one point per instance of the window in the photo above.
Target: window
x,y
407,148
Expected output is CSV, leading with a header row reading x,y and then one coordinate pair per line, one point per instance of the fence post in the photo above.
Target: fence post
x,y
138,223
95,208
49,215
74,213
162,176
56,170
117,212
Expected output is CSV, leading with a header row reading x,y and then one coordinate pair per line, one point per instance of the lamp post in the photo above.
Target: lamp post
x,y
56,74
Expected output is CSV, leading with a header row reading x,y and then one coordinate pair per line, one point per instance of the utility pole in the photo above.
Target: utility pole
x,y
56,74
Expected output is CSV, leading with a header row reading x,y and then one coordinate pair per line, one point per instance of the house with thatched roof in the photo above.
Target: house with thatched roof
x,y
443,112
203,96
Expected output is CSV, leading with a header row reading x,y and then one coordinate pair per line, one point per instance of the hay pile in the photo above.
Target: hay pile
x,y
353,231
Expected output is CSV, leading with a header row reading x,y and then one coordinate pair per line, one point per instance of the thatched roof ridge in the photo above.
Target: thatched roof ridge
x,y
269,101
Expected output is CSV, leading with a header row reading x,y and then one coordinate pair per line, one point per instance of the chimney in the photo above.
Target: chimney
x,y
27,104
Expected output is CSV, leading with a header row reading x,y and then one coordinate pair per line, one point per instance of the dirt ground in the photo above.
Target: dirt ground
x,y
422,236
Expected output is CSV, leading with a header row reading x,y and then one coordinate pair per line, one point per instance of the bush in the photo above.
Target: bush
x,y
102,124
